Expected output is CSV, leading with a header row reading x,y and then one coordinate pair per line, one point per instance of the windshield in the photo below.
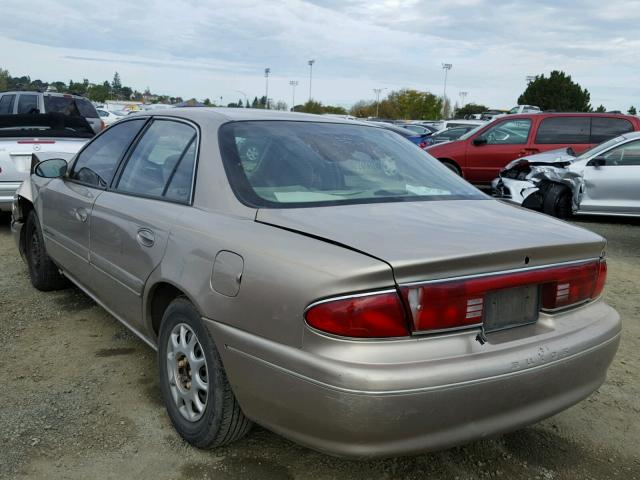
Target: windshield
x,y
69,106
601,147
284,164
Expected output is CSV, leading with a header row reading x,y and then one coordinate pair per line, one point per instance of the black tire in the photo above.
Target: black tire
x,y
222,420
44,274
557,201
452,166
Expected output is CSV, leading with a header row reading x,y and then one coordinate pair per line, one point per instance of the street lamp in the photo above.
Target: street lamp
x,y
310,63
267,71
378,91
446,67
463,95
294,84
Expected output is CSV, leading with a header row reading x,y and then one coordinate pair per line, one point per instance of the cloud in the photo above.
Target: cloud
x,y
359,45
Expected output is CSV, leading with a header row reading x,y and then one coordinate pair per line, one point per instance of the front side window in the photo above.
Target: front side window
x,y
6,104
564,130
511,132
162,162
603,128
624,155
28,103
283,164
96,164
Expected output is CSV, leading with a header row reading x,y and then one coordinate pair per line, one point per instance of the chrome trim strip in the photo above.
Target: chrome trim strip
x,y
499,272
353,295
448,330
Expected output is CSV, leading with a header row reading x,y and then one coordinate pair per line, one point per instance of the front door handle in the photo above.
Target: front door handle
x,y
145,237
81,214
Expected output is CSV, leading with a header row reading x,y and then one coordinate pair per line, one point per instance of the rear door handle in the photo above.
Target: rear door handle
x,y
81,214
145,237
529,151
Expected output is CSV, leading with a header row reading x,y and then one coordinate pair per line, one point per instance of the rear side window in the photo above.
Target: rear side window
x,y
564,130
28,103
6,104
97,163
603,128
162,163
69,106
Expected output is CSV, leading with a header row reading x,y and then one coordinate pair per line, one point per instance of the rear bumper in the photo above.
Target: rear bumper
x,y
7,192
387,407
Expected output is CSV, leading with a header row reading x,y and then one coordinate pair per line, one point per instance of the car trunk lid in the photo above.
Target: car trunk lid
x,y
441,239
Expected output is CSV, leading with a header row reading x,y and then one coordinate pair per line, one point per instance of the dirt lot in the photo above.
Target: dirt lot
x,y
80,400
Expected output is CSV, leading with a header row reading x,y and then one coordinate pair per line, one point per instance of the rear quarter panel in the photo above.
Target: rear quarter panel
x,y
283,273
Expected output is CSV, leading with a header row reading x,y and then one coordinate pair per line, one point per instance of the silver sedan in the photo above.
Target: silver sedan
x,y
604,180
337,285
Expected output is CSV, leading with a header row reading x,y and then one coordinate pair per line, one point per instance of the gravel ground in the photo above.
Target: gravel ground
x,y
80,400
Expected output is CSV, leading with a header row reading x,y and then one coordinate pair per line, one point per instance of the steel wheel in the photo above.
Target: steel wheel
x,y
187,372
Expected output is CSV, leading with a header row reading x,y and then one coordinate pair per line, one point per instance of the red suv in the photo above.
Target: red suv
x,y
480,154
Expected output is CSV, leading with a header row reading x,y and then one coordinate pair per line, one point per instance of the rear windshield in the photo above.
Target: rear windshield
x,y
69,106
282,164
44,125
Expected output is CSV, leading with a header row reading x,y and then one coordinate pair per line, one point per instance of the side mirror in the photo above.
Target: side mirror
x,y
479,141
51,168
597,162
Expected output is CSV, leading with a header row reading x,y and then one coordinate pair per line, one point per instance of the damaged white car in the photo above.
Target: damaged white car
x,y
604,180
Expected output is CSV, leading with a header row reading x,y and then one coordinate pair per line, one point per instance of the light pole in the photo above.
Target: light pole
x,y
294,84
246,101
446,67
310,63
377,91
463,95
267,71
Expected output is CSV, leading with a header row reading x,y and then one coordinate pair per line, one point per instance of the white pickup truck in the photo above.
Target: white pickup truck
x,y
23,135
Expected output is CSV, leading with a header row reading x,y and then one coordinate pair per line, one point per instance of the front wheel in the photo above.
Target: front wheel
x,y
557,201
43,273
197,394
452,166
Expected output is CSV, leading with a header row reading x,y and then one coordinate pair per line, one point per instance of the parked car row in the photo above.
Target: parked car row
x,y
315,275
480,154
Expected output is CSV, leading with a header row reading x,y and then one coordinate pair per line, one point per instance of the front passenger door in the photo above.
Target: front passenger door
x,y
615,186
66,203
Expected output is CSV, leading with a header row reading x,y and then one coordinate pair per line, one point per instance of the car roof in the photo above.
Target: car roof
x,y
220,115
567,114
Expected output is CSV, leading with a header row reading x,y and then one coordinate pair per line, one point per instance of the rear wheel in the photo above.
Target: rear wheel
x,y
557,201
197,394
44,274
452,166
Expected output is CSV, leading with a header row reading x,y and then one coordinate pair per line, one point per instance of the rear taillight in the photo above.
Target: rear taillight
x,y
452,304
423,145
376,315
102,125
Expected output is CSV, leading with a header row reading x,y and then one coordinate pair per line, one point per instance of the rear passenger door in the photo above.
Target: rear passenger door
x,y
131,222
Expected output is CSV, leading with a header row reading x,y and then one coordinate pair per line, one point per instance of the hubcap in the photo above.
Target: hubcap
x,y
187,372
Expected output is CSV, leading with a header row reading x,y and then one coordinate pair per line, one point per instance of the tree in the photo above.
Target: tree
x,y
281,105
207,102
632,110
557,92
246,104
401,104
469,109
116,85
4,79
98,93
254,104
601,109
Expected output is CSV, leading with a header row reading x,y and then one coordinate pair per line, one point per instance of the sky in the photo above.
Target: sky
x,y
210,48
